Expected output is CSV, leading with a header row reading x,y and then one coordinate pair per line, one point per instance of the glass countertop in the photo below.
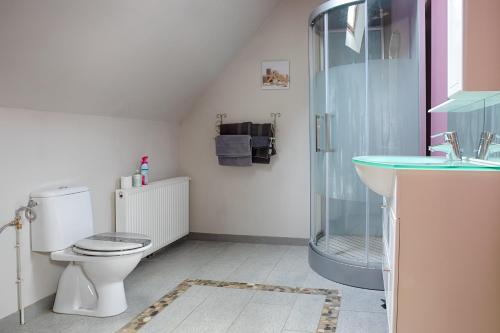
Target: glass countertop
x,y
425,163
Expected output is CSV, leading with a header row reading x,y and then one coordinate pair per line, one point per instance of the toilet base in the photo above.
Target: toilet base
x,y
89,289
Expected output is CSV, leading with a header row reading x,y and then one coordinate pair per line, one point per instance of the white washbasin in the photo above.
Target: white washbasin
x,y
379,172
379,180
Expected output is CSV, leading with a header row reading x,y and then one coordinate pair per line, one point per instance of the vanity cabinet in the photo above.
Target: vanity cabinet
x,y
389,268
442,252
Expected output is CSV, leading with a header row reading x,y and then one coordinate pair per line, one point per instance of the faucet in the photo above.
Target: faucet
x,y
487,145
450,146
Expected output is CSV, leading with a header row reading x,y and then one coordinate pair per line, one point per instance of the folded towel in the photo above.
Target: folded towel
x,y
261,156
233,145
236,129
235,161
261,141
262,145
262,130
235,150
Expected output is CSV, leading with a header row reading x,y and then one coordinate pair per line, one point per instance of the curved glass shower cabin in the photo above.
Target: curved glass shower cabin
x,y
364,100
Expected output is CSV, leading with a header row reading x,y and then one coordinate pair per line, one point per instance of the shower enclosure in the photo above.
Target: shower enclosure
x,y
364,100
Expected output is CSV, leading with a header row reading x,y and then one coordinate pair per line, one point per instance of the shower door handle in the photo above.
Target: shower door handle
x,y
328,134
328,138
318,128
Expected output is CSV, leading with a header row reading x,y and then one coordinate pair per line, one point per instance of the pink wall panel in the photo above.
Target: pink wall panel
x,y
439,62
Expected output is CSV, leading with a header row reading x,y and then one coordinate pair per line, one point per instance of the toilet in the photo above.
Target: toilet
x,y
92,283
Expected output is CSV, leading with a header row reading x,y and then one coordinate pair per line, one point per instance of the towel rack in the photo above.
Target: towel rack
x,y
275,115
220,117
274,123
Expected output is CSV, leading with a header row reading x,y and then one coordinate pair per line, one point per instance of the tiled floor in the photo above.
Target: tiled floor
x,y
213,310
290,308
259,263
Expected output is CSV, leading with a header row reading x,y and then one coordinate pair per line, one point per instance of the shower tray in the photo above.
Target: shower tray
x,y
351,249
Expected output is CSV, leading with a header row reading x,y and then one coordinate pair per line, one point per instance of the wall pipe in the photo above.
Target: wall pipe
x,y
19,277
17,222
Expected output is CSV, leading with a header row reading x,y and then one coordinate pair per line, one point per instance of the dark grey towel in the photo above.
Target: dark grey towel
x,y
261,141
234,150
262,146
262,129
235,161
236,129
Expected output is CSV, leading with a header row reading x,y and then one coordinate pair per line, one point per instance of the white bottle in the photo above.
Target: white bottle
x,y
137,179
144,170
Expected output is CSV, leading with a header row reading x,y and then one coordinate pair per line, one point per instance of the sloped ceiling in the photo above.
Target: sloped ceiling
x,y
145,59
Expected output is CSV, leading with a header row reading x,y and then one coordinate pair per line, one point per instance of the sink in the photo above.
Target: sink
x,y
379,172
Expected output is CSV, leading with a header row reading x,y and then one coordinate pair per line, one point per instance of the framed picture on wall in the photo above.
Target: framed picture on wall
x,y
275,74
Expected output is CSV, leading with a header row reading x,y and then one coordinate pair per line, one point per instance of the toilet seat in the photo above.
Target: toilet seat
x,y
112,244
90,253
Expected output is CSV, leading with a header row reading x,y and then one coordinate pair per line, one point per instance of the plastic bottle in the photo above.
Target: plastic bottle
x,y
144,169
137,179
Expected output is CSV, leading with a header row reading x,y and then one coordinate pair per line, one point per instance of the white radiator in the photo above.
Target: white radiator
x,y
159,210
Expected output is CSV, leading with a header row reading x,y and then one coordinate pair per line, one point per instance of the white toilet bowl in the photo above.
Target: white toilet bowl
x,y
92,283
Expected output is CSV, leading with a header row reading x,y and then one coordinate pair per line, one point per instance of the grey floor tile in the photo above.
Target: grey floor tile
x,y
356,299
314,280
217,312
262,318
305,313
253,270
200,291
167,320
274,298
11,327
216,292
235,253
105,325
141,297
267,252
292,269
215,271
289,259
50,322
362,322
299,251
204,252
286,277
231,295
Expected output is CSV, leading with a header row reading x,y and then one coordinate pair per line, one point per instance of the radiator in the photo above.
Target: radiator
x,y
159,210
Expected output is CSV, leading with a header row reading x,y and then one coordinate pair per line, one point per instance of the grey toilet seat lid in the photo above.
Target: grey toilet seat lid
x,y
113,242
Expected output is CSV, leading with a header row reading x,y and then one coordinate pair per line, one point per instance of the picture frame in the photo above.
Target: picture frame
x,y
275,75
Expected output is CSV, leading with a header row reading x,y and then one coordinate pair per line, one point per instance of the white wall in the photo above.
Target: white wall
x,y
262,200
40,149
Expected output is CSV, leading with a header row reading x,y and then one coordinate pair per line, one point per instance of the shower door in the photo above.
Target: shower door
x,y
340,223
364,100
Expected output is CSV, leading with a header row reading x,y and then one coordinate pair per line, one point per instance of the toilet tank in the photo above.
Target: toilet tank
x,y
64,216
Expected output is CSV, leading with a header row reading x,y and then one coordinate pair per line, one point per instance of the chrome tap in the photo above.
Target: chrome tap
x,y
450,146
487,145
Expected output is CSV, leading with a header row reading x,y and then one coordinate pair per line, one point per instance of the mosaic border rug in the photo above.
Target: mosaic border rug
x,y
327,323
